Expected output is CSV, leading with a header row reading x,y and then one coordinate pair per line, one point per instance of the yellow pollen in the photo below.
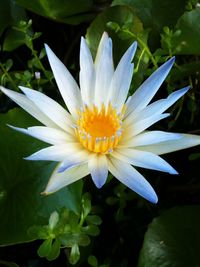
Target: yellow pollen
x,y
99,130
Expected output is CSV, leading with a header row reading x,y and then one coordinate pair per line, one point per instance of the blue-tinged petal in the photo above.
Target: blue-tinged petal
x,y
78,158
122,78
149,138
148,89
185,141
49,135
141,125
60,180
104,70
56,152
132,179
28,106
87,74
66,83
98,168
143,159
50,108
156,107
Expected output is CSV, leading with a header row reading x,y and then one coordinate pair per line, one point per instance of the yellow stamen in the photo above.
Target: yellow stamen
x,y
99,130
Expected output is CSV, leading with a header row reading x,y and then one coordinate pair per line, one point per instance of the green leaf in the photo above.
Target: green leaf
x,y
92,261
66,11
74,255
70,239
118,15
94,219
11,14
53,220
156,14
45,249
55,250
173,239
92,230
21,183
9,264
188,39
86,203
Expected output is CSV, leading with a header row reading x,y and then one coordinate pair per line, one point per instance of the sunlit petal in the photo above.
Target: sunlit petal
x,y
104,70
59,180
122,78
144,159
148,89
87,74
29,106
55,153
98,168
50,108
149,138
132,179
185,141
66,83
49,135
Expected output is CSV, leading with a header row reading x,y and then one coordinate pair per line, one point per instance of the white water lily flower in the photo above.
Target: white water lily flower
x,y
103,132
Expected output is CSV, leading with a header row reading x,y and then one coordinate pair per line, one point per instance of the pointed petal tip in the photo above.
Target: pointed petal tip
x,y
174,172
154,200
99,185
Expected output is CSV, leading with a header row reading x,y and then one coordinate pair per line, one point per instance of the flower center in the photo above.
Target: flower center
x,y
99,130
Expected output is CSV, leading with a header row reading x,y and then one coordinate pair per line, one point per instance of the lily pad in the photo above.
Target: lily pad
x,y
66,11
172,240
21,182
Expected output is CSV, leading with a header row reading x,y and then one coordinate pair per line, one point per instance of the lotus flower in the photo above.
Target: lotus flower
x,y
102,131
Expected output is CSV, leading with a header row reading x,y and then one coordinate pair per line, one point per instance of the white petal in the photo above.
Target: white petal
x,y
132,179
148,89
98,168
49,135
60,180
142,125
51,108
66,83
104,70
149,138
87,74
156,107
56,153
122,78
28,106
143,159
79,158
185,141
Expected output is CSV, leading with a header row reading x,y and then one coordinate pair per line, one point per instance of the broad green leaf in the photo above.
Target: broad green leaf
x,y
8,264
53,220
120,15
74,255
69,240
66,11
188,39
45,248
11,14
55,250
156,14
21,183
173,239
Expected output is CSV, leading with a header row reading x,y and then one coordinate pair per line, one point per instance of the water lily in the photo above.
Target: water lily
x,y
103,130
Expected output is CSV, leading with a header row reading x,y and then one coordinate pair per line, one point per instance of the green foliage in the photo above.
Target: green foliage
x,y
66,222
66,11
67,229
173,239
21,183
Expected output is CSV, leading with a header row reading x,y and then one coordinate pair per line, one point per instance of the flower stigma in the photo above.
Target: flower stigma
x,y
99,129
